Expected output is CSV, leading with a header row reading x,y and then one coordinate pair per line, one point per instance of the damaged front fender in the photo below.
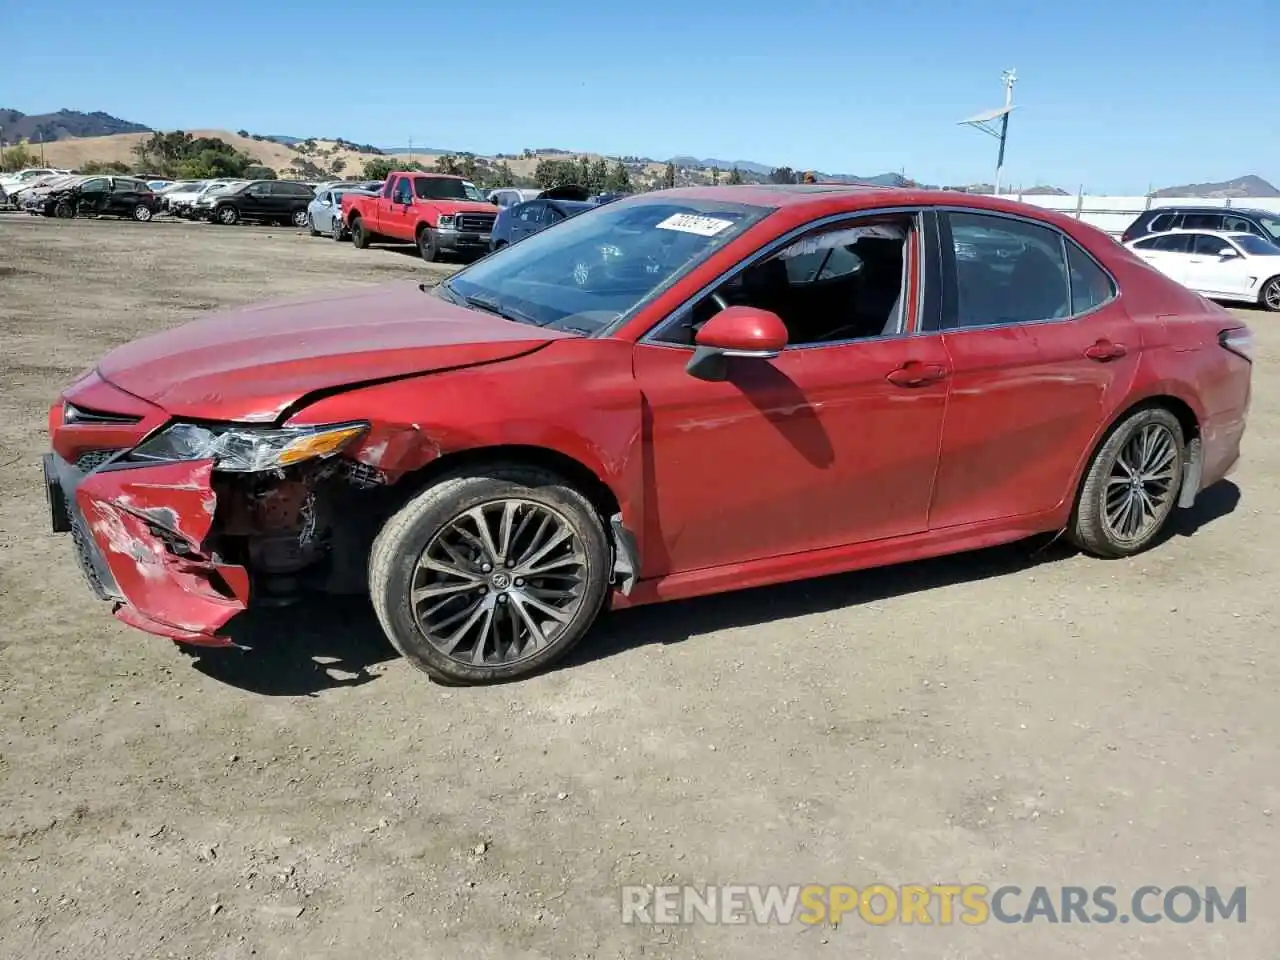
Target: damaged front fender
x,y
149,525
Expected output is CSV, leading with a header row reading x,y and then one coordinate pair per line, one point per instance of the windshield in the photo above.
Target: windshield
x,y
1255,245
473,192
1271,225
439,188
599,266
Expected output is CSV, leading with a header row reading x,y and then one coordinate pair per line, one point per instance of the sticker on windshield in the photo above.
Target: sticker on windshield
x,y
692,223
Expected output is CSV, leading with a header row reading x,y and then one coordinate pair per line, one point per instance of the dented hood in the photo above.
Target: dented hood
x,y
250,364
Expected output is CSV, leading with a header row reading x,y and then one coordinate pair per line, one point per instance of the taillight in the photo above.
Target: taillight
x,y
1239,340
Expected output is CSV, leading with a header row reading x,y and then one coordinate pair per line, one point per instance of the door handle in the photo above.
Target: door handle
x,y
913,373
1105,350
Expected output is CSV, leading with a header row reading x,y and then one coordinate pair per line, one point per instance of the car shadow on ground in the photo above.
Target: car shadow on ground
x,y
327,642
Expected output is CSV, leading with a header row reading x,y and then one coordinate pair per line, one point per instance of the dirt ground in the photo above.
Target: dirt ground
x,y
1000,718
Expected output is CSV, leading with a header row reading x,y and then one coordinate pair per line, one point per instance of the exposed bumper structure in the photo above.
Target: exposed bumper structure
x,y
139,534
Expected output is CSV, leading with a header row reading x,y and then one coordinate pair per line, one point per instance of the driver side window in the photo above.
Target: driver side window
x,y
404,191
843,282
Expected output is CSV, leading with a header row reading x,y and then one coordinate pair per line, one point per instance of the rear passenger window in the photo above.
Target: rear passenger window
x,y
1174,243
1165,221
1008,271
1091,287
1202,221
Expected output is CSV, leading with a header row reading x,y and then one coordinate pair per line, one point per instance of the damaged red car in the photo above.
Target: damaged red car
x,y
680,393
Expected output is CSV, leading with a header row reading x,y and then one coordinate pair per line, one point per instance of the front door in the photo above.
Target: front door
x,y
1037,362
94,197
833,442
1215,267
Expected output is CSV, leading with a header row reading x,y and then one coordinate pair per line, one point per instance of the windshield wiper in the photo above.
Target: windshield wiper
x,y
492,306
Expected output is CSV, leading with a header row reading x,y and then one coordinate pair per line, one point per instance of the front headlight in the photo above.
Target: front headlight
x,y
244,449
446,221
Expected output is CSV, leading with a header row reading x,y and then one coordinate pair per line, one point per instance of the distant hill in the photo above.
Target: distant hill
x,y
764,169
1246,186
50,127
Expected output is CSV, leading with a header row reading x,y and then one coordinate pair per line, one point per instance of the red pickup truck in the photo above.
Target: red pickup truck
x,y
431,210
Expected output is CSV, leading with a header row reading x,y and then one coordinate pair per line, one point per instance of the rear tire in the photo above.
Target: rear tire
x,y
1131,486
142,213
497,597
1269,298
300,219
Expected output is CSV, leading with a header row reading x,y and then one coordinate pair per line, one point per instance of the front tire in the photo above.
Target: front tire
x,y
1131,486
228,216
1269,299
492,576
427,245
336,231
63,210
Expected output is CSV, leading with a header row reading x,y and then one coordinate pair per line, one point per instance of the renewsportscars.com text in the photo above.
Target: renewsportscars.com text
x,y
928,904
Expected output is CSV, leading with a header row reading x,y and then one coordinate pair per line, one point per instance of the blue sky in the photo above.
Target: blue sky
x,y
1114,95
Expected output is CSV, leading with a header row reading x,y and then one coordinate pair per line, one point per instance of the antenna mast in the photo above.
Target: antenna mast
x,y
986,121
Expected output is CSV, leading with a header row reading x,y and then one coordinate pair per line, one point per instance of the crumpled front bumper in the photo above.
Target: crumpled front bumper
x,y
139,534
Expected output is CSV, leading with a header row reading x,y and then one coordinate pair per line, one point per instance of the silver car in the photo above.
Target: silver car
x,y
324,213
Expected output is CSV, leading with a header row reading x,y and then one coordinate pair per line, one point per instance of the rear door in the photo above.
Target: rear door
x,y
1040,348
1167,253
125,194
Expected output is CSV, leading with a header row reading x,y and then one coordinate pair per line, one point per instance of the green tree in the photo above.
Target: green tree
x,y
556,173
598,180
619,179
783,175
379,168
669,176
502,175
257,171
735,177
715,176
447,164
104,166
18,157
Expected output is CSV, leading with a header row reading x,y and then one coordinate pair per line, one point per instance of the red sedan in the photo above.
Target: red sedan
x,y
680,393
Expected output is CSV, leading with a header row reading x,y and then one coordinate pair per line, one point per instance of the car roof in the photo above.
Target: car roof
x,y
840,197
1236,235
1179,208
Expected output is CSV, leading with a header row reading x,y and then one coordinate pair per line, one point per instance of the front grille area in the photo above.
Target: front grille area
x,y
91,460
476,222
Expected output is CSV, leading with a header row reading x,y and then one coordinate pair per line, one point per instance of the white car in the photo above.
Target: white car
x,y
1221,265
12,184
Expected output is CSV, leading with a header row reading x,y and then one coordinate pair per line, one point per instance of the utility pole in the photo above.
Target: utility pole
x,y
985,121
411,149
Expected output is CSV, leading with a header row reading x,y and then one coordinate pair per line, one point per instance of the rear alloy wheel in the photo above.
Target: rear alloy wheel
x,y
1132,485
302,219
427,245
1270,298
227,216
487,578
142,213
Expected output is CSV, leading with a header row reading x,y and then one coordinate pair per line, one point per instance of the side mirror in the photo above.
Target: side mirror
x,y
1228,253
736,332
